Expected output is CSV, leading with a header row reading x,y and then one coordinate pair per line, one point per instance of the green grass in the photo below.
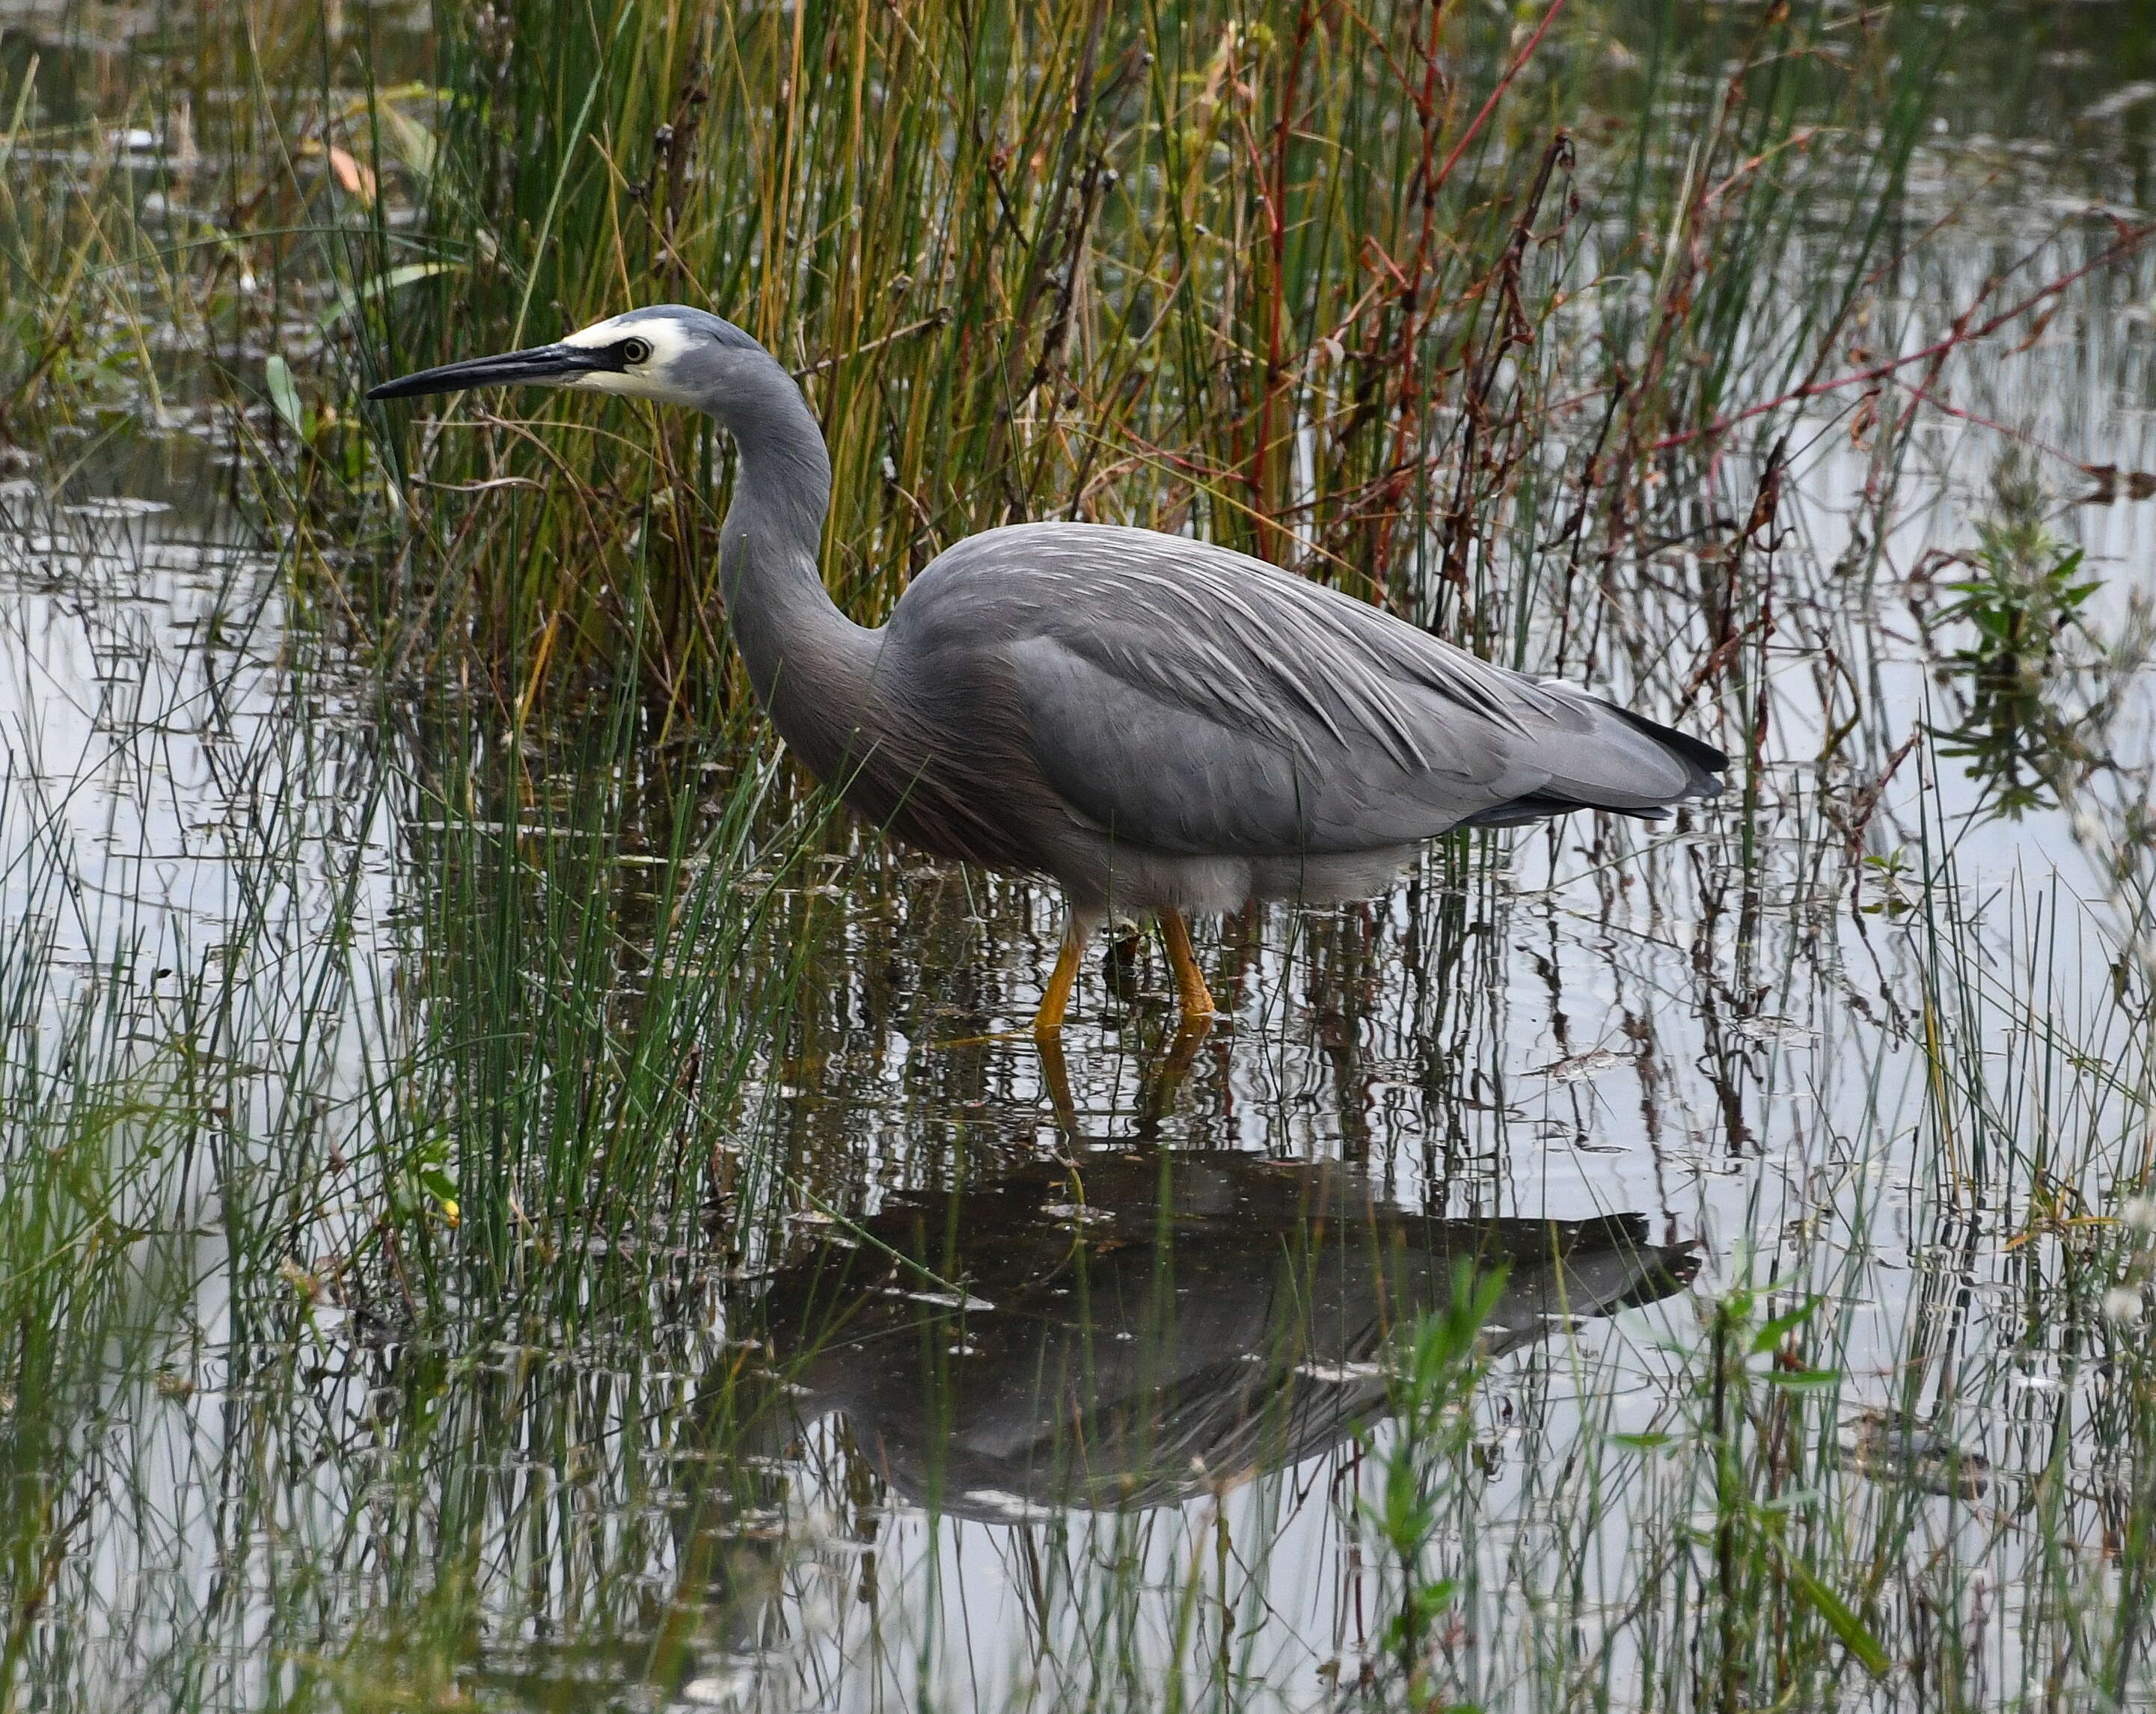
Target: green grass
x,y
1256,274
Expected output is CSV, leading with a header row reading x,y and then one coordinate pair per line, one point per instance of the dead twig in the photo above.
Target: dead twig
x,y
927,324
2132,240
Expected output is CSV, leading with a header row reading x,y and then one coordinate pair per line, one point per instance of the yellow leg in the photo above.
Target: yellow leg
x,y
1056,998
1049,1046
1190,987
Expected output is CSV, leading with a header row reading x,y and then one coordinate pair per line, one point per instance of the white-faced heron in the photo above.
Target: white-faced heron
x,y
1158,724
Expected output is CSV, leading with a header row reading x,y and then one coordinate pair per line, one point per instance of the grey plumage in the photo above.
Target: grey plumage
x,y
1156,723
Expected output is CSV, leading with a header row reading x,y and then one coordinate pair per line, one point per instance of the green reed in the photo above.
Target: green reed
x,y
1268,274
244,1156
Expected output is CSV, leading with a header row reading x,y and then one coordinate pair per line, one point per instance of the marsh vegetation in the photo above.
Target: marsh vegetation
x,y
507,1200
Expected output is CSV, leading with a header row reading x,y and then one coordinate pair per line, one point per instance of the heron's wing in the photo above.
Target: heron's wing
x,y
1192,699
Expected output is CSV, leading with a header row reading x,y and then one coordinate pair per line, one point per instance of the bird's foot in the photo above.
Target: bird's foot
x,y
1195,999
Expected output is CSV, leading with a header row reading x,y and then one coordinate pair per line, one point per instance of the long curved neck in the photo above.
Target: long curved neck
x,y
808,663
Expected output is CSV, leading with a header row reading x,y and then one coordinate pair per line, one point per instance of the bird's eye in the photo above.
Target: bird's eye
x,y
635,350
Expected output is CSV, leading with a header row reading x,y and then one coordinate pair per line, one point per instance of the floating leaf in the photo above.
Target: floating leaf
x,y
285,394
1580,1066
2122,100
354,175
1887,1450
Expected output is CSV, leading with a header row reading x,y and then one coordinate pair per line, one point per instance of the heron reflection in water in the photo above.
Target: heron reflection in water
x,y
1161,726
1129,1327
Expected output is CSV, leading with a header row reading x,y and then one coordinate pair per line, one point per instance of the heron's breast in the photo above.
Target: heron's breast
x,y
945,768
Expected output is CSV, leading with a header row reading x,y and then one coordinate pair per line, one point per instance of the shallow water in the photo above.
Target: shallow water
x,y
991,1379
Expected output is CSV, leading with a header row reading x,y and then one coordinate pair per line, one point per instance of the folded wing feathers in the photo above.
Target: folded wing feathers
x,y
1197,635
1274,656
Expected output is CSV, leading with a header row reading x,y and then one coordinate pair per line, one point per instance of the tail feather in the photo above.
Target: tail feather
x,y
1703,763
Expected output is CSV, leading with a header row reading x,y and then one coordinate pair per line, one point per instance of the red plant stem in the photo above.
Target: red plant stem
x,y
1276,212
1519,64
1414,309
1923,395
2133,241
1417,308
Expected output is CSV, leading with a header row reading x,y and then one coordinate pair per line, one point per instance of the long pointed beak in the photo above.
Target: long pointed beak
x,y
543,364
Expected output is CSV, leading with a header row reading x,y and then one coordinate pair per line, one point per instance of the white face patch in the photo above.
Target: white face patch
x,y
667,338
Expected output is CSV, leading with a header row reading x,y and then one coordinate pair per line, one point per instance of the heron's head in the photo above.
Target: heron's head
x,y
670,352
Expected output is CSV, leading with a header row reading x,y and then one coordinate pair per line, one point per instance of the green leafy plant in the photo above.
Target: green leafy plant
x,y
2026,593
1442,1360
